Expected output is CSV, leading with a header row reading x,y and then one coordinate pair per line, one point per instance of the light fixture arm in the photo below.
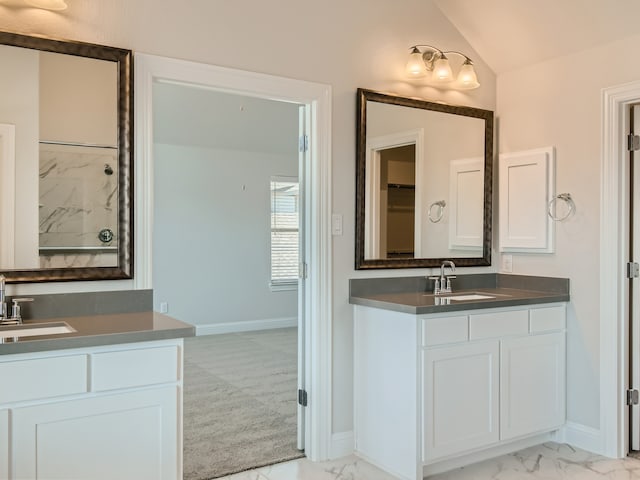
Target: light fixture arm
x,y
430,54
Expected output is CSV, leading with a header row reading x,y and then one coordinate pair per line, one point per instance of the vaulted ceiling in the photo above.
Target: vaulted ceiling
x,y
510,34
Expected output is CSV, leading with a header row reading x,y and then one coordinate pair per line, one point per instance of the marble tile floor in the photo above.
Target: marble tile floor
x,y
549,461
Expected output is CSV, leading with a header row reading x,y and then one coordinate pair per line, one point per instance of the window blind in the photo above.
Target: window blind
x,y
285,195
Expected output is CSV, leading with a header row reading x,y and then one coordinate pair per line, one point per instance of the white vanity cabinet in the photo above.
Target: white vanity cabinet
x,y
4,444
532,384
98,413
437,389
460,393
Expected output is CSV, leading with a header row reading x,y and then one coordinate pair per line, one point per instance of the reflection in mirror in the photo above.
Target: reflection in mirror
x,y
423,183
65,159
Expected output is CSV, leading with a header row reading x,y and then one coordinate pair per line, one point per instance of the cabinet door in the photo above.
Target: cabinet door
x,y
4,444
532,376
460,398
132,435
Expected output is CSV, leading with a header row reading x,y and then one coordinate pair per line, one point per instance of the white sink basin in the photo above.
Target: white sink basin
x,y
471,296
35,329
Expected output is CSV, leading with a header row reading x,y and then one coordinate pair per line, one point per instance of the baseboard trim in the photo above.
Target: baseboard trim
x,y
582,436
342,444
246,326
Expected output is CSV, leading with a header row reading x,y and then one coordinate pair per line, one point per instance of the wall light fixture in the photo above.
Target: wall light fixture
x,y
48,4
433,63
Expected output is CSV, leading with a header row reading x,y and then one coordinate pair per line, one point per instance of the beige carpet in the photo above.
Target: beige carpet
x,y
239,402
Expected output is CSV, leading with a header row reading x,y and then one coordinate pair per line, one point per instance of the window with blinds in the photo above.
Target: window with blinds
x,y
285,195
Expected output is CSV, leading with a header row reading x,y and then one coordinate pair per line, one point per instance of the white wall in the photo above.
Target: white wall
x,y
359,43
558,103
19,87
212,234
78,99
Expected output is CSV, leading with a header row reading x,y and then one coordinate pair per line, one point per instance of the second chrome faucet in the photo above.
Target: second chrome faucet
x,y
442,284
16,317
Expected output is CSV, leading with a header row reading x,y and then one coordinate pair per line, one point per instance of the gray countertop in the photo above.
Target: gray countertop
x,y
95,330
411,295
421,302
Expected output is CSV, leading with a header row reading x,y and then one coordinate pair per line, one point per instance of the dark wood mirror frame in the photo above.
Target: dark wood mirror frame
x,y
123,58
364,96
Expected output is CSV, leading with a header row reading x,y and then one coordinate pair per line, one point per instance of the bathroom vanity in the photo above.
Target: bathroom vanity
x,y
102,402
441,382
96,392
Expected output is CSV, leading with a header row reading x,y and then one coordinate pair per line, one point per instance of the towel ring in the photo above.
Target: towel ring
x,y
565,197
436,216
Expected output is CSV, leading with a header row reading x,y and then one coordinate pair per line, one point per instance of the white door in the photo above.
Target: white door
x,y
634,256
460,398
532,384
139,438
303,122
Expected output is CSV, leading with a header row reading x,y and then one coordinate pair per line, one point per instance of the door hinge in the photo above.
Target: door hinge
x,y
303,143
633,397
302,397
633,142
302,271
633,270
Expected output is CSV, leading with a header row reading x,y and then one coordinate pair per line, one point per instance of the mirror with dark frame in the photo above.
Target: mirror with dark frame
x,y
66,151
423,183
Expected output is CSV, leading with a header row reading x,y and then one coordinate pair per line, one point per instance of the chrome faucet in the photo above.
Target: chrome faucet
x,y
442,284
16,316
3,302
445,281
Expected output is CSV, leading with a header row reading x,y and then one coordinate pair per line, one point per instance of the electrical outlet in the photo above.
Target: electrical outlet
x,y
164,307
507,263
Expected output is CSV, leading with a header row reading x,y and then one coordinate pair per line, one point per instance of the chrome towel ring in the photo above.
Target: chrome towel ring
x,y
571,207
436,211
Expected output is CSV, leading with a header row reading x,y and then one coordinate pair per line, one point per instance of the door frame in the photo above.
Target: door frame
x,y
614,290
318,286
372,200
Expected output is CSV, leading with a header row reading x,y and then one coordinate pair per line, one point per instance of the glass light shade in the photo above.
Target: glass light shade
x,y
442,70
467,78
415,65
48,4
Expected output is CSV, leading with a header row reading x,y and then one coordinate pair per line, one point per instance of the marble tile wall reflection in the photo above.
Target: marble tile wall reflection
x,y
78,194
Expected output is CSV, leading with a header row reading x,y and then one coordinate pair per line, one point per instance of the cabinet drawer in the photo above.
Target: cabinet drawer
x,y
547,319
130,368
440,330
43,378
498,324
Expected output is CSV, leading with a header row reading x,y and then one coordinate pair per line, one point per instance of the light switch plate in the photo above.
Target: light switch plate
x,y
336,224
507,263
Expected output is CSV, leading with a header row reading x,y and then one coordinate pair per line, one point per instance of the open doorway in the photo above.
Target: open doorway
x,y
393,205
318,285
228,241
398,201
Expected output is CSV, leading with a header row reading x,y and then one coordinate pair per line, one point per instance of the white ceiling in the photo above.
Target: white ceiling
x,y
510,34
206,118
